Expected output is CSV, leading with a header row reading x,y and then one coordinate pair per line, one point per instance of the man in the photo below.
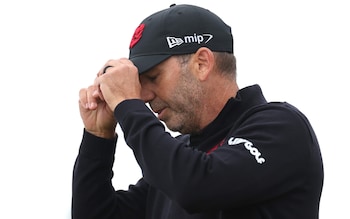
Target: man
x,y
238,157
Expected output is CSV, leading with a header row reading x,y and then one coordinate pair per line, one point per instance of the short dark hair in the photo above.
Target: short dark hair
x,y
225,62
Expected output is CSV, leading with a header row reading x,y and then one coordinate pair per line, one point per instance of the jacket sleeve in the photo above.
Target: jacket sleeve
x,y
93,195
267,154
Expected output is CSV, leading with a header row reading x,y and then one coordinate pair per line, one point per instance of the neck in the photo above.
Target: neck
x,y
215,100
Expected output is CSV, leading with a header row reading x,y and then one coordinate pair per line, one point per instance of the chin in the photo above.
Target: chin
x,y
174,128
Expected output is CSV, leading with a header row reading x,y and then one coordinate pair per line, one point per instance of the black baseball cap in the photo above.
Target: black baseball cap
x,y
178,30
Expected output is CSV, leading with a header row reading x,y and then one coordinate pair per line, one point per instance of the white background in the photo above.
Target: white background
x,y
298,51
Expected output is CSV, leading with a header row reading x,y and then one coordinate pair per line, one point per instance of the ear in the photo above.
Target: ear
x,y
203,63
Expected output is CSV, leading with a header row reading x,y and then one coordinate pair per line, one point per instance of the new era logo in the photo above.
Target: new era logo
x,y
176,41
173,41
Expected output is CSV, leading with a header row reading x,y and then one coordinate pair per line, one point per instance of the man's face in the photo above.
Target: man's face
x,y
174,93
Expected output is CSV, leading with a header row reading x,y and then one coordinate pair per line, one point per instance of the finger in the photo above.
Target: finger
x,y
106,68
97,93
109,64
83,98
112,63
129,63
92,99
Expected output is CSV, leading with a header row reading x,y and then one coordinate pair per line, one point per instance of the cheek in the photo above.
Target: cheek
x,y
166,90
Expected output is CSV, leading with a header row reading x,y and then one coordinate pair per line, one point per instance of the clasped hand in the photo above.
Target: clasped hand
x,y
97,102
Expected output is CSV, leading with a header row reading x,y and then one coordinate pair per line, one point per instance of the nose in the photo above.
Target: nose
x,y
147,95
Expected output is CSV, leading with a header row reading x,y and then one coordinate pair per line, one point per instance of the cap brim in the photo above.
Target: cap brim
x,y
145,63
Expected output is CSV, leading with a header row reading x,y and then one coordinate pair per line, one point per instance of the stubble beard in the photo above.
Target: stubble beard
x,y
186,105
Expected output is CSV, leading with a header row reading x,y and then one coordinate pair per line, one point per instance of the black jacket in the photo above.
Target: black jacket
x,y
255,160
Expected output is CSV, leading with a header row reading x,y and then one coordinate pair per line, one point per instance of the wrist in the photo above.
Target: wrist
x,y
103,134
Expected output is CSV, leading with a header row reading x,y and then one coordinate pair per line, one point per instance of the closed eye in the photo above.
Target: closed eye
x,y
152,78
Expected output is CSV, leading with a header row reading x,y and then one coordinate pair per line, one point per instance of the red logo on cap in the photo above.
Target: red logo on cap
x,y
137,35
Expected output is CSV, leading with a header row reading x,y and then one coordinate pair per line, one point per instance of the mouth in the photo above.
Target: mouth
x,y
160,113
159,109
